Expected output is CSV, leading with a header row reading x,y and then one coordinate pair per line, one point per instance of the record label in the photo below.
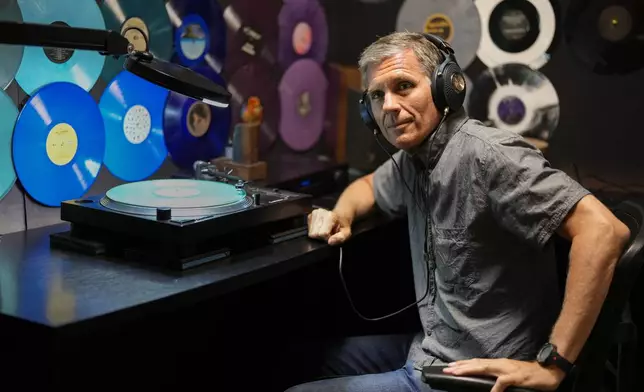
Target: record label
x,y
194,131
145,23
517,98
456,21
11,55
41,66
516,31
607,37
257,79
133,111
8,116
303,32
200,33
252,32
58,145
61,144
303,104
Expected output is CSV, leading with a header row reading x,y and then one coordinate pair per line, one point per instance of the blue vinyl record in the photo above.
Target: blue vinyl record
x,y
58,143
8,115
193,130
41,66
200,32
132,109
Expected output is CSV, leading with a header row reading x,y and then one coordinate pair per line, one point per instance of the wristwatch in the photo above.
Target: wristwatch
x,y
548,356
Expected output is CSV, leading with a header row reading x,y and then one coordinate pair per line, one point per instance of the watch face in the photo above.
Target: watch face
x,y
544,353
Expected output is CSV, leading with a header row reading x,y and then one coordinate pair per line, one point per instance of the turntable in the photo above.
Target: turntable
x,y
182,223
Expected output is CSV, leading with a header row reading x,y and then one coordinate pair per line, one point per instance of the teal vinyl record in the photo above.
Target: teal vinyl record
x,y
133,110
41,66
145,23
10,55
8,116
58,143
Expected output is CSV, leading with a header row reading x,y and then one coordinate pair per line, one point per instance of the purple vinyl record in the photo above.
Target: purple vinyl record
x,y
303,32
192,130
303,103
257,79
252,32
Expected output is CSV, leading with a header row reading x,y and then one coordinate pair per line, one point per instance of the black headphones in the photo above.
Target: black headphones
x,y
447,84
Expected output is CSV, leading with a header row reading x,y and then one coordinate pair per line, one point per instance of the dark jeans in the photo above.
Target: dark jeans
x,y
367,363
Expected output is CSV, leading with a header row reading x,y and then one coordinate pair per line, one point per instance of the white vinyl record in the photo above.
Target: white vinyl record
x,y
455,21
516,31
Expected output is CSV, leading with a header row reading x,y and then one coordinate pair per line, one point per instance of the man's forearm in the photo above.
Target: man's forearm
x,y
593,256
357,200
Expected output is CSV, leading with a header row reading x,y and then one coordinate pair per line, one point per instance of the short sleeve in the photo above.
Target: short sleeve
x,y
388,187
526,195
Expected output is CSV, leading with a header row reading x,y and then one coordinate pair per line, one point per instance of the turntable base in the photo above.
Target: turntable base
x,y
181,224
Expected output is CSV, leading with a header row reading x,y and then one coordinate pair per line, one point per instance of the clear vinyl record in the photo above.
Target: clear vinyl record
x,y
517,98
516,31
41,66
8,116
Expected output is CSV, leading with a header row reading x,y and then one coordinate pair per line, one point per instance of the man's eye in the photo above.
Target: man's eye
x,y
404,85
376,95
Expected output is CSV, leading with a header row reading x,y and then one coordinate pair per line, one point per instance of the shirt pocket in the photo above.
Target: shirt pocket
x,y
456,267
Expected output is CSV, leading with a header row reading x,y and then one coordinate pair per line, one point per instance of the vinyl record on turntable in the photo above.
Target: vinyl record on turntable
x,y
517,98
133,111
606,36
200,32
252,32
516,31
303,104
145,23
58,143
185,197
455,21
194,131
40,66
257,79
303,32
11,55
8,116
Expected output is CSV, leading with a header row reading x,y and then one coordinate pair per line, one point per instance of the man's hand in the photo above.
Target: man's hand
x,y
328,226
509,372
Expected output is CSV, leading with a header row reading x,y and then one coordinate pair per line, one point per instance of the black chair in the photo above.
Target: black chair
x,y
613,329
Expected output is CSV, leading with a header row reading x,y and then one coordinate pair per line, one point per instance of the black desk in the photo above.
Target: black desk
x,y
55,303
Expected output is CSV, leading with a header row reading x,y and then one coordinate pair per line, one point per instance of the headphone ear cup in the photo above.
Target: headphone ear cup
x,y
367,117
453,84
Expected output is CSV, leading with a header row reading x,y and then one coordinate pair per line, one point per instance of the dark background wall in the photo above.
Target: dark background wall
x,y
598,131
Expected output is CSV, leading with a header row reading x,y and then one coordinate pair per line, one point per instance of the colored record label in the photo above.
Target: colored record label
x,y
456,21
62,144
58,145
8,116
135,30
193,37
133,111
198,120
303,32
40,66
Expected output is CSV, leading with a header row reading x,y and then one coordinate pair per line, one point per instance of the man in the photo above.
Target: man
x,y
490,203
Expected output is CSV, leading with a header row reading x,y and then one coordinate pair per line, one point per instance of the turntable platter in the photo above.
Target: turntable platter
x,y
186,198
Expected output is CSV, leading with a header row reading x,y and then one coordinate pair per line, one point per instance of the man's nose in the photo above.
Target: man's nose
x,y
390,103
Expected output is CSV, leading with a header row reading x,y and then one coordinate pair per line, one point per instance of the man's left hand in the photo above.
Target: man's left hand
x,y
509,372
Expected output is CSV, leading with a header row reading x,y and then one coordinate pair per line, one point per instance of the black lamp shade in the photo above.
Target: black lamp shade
x,y
177,78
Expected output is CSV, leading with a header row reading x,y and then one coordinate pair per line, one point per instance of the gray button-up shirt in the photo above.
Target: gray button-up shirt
x,y
494,203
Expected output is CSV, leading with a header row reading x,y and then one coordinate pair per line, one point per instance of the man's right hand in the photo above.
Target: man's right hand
x,y
328,226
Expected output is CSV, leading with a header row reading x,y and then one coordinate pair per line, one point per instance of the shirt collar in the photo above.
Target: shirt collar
x,y
427,154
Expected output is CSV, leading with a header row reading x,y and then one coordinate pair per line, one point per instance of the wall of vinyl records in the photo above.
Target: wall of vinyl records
x,y
73,123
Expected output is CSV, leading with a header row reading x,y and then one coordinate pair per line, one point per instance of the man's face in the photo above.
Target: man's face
x,y
401,100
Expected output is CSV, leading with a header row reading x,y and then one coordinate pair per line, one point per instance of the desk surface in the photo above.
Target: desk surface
x,y
64,290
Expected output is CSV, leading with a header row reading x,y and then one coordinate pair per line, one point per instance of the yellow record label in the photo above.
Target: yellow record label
x,y
136,31
62,144
440,25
